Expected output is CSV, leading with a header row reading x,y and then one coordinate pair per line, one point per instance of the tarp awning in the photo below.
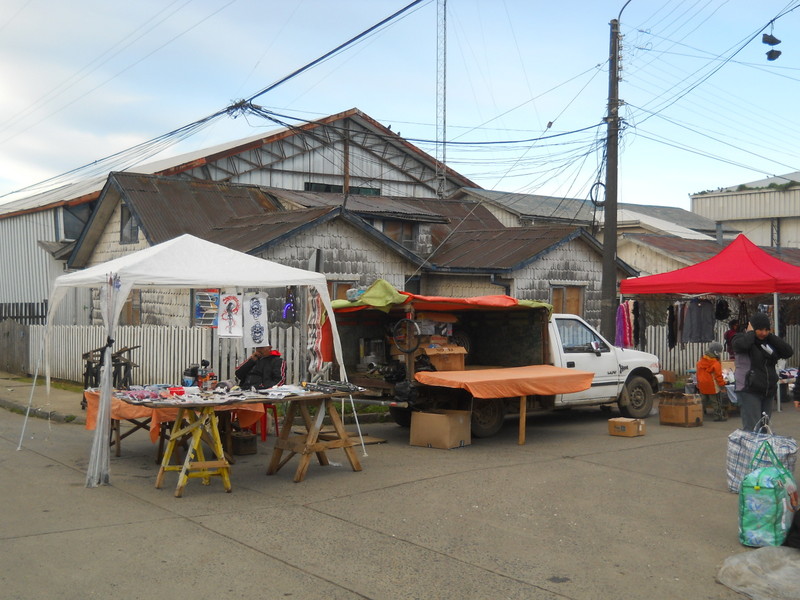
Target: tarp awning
x,y
381,295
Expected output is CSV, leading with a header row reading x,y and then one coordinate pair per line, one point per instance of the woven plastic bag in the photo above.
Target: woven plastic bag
x,y
767,501
742,446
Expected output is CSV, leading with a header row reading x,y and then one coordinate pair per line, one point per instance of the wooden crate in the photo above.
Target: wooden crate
x,y
680,410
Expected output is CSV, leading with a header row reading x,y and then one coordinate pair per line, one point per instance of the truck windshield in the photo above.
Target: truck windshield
x,y
576,337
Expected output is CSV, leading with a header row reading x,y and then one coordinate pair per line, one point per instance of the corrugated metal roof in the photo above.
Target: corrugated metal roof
x,y
92,185
369,206
679,216
685,250
499,248
167,206
569,210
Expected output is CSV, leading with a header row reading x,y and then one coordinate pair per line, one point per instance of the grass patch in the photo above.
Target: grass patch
x,y
58,384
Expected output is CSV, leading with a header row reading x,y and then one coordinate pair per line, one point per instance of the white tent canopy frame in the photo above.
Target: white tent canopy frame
x,y
183,262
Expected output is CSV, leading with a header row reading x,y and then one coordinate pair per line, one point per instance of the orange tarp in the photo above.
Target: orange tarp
x,y
249,414
514,381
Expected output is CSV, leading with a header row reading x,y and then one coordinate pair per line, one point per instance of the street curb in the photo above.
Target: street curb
x,y
40,413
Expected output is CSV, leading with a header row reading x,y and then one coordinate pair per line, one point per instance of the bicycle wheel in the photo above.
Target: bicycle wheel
x,y
406,335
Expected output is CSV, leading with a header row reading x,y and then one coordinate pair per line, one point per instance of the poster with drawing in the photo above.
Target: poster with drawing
x,y
256,326
230,315
206,308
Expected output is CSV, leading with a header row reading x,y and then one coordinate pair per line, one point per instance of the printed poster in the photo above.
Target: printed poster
x,y
230,316
256,325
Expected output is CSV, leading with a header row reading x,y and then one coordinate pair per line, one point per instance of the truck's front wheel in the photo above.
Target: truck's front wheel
x,y
487,417
640,399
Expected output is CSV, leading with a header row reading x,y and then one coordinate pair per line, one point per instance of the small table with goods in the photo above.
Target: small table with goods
x,y
196,419
132,406
308,443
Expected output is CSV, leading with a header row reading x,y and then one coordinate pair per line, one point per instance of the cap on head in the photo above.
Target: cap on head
x,y
714,349
760,321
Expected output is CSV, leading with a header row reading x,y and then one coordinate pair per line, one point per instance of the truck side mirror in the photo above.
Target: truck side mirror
x,y
596,347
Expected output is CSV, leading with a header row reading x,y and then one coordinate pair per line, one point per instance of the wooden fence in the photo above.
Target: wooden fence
x,y
27,313
164,352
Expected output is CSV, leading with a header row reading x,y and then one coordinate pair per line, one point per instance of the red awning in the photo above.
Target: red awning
x,y
740,268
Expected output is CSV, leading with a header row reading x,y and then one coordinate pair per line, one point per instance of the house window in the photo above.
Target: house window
x,y
128,228
567,299
309,186
401,232
338,289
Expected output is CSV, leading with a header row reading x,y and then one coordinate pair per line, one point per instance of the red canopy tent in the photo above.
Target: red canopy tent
x,y
740,268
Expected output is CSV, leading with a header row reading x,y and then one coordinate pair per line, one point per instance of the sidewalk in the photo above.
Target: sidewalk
x,y
573,514
59,405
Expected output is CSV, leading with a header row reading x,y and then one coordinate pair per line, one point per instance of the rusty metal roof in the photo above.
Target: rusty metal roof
x,y
537,207
508,248
684,250
368,206
167,206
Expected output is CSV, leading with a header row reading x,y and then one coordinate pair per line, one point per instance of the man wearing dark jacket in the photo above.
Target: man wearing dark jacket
x,y
757,351
264,369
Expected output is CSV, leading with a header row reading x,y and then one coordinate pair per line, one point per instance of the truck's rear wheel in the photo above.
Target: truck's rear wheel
x,y
401,416
487,417
640,399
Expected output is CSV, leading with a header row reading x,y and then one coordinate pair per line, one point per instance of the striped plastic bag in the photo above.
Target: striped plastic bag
x,y
767,501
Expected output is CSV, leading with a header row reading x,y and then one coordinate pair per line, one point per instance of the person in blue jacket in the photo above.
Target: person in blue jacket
x,y
757,351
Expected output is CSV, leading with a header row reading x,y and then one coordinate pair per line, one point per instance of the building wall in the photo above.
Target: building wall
x,y
755,213
645,260
347,255
573,264
26,269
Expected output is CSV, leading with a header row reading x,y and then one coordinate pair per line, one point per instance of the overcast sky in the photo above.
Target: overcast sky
x,y
704,108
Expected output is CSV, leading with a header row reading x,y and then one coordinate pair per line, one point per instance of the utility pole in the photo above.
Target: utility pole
x,y
441,97
608,303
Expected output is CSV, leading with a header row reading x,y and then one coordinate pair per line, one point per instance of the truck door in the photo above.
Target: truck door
x,y
582,348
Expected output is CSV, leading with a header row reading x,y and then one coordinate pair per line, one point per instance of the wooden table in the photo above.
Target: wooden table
x,y
156,417
309,443
510,382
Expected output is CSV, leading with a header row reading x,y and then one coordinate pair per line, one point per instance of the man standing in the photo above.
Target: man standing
x,y
757,352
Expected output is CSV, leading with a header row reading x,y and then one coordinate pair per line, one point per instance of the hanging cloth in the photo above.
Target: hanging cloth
x,y
699,323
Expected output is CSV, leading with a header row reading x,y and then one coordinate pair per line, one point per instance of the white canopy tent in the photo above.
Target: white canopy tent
x,y
183,262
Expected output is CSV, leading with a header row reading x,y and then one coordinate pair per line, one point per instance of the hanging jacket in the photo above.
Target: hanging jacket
x,y
755,363
709,375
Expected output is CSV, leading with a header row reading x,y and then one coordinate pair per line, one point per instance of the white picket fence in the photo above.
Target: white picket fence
x,y
163,352
683,357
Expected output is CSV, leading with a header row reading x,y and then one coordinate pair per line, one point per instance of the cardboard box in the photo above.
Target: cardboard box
x,y
680,410
441,429
625,427
446,357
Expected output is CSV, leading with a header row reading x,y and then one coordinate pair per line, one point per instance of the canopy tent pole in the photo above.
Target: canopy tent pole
x,y
30,397
777,330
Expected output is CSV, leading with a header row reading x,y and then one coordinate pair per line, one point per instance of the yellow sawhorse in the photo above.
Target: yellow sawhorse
x,y
202,424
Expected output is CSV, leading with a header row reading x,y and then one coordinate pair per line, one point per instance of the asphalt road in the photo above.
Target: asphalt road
x,y
573,514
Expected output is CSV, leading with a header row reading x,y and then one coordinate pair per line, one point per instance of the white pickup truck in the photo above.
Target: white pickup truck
x,y
492,337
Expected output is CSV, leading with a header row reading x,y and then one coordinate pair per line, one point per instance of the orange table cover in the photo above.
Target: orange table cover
x,y
249,414
513,381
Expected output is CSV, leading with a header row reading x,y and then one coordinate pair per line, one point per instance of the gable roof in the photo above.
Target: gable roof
x,y
533,206
509,249
678,216
89,188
